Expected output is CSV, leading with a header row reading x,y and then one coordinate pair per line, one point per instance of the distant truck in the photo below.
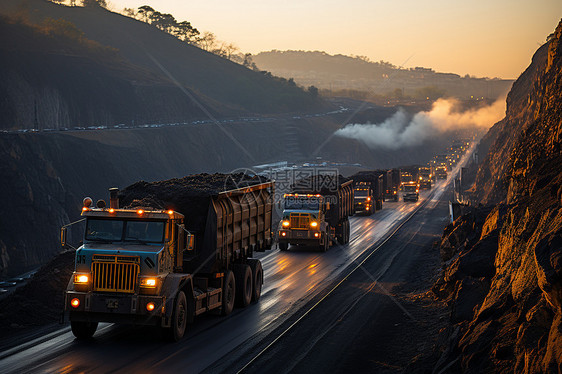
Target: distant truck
x,y
425,178
410,191
393,185
315,215
363,198
441,172
375,179
155,265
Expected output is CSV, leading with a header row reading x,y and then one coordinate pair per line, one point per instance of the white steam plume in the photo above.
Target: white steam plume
x,y
399,131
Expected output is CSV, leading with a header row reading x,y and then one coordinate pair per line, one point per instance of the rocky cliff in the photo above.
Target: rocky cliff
x,y
503,262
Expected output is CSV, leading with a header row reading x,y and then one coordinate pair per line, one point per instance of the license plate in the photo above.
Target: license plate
x,y
112,303
301,234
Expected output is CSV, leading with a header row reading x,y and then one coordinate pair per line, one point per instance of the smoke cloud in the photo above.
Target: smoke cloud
x,y
402,130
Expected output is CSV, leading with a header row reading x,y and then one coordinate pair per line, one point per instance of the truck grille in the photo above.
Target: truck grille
x,y
300,220
115,273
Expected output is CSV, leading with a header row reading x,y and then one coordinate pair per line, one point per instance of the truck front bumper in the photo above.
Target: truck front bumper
x,y
116,308
304,237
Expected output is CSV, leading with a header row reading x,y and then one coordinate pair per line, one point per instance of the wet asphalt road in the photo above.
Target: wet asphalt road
x,y
293,280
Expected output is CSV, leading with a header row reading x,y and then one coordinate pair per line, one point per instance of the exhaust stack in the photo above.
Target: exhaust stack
x,y
113,199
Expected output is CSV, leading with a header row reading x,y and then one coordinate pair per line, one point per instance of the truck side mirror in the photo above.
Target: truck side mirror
x,y
63,236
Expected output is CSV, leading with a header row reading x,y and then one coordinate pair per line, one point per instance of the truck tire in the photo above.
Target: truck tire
x,y
83,330
257,278
243,275
347,231
283,246
228,293
179,318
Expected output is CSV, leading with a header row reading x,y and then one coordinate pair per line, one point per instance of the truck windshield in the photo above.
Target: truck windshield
x,y
308,203
361,193
410,188
114,230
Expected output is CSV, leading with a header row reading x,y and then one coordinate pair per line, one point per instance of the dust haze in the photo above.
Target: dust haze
x,y
403,130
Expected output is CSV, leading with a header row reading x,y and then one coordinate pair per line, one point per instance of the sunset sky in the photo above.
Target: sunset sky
x,y
494,38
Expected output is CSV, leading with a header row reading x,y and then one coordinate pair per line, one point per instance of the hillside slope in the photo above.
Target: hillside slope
x,y
503,263
145,46
52,77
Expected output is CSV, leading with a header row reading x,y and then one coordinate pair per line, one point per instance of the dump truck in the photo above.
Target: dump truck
x,y
177,250
316,213
363,198
375,179
391,190
441,172
425,178
410,191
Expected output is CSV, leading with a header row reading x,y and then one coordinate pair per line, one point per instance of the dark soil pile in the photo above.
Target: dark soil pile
x,y
320,183
40,301
190,195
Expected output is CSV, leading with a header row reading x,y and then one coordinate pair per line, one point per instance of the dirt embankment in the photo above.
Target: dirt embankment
x,y
502,273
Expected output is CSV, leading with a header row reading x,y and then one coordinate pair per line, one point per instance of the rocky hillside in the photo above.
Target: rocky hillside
x,y
52,77
169,68
503,263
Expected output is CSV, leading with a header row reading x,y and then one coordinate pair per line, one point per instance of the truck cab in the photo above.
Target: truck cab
x,y
363,198
410,191
124,268
304,221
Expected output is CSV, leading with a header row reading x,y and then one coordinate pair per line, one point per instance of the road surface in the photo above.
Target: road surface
x,y
294,280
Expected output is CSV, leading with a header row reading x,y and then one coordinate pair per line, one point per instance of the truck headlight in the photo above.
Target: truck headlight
x,y
285,223
148,282
81,278
313,224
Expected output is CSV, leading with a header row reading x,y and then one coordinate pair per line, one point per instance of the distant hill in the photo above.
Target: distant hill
x,y
340,72
141,64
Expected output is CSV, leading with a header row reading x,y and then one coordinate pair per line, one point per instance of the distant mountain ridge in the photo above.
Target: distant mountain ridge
x,y
357,72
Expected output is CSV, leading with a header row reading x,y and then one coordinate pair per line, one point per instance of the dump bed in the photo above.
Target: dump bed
x,y
230,215
336,189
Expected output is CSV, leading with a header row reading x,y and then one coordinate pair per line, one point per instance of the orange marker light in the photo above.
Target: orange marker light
x,y
140,211
170,212
85,209
75,303
150,307
111,210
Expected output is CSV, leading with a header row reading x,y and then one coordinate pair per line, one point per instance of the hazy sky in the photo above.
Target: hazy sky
x,y
494,38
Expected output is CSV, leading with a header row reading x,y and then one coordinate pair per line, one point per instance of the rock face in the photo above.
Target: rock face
x,y
503,264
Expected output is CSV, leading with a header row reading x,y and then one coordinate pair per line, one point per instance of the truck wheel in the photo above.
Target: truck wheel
x,y
257,273
228,293
179,318
283,246
347,231
83,330
243,275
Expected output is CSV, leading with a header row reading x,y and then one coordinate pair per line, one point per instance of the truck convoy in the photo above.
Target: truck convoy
x,y
180,249
410,191
317,212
